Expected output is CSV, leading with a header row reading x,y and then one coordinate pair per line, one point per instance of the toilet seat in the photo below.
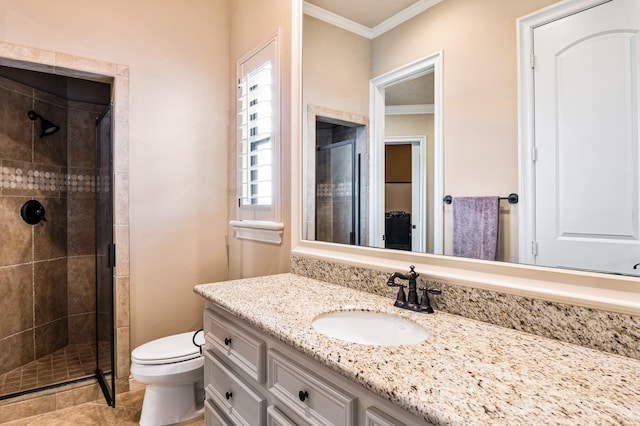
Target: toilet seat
x,y
167,350
173,373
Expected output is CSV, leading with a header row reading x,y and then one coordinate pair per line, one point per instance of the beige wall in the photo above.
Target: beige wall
x,y
479,93
252,23
335,67
178,58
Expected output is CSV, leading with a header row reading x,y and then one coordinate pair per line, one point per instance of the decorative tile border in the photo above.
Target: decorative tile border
x,y
341,189
597,329
41,180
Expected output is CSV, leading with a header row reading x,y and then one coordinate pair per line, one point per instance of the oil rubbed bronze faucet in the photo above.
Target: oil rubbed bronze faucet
x,y
411,302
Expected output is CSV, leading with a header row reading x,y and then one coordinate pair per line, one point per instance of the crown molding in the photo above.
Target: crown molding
x,y
361,30
336,20
403,16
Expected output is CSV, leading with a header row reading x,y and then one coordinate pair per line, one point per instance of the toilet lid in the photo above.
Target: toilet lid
x,y
165,350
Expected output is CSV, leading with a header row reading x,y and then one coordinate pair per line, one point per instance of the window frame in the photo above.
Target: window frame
x,y
259,222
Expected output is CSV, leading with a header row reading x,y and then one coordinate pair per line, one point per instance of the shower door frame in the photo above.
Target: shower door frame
x,y
109,261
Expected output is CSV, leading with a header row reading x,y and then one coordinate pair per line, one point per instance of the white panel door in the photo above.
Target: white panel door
x,y
586,139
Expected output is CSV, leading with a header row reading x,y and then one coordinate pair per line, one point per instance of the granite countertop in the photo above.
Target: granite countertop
x,y
466,372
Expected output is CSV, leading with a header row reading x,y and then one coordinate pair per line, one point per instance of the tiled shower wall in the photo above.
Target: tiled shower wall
x,y
81,187
334,186
46,270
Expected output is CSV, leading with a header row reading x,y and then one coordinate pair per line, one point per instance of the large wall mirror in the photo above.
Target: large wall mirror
x,y
407,102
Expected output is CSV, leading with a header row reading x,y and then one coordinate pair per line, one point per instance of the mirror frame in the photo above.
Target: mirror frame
x,y
599,291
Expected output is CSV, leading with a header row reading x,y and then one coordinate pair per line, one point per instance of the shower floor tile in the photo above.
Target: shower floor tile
x,y
69,363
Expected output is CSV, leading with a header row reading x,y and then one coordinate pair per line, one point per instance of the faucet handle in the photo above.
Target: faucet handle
x,y
425,303
401,298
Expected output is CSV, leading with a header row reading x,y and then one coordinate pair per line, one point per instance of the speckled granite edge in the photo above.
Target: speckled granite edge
x,y
605,331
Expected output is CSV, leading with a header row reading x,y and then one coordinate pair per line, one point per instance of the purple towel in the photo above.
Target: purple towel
x,y
475,227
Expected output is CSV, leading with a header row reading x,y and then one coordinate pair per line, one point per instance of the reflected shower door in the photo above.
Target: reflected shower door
x,y
336,208
105,258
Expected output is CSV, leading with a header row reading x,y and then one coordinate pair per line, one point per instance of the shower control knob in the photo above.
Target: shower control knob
x,y
33,212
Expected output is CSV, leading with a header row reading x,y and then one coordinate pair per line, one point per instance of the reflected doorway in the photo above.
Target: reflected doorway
x,y
579,115
405,193
394,111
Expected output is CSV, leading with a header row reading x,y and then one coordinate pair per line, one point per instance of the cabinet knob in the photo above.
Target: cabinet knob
x,y
227,341
228,395
303,395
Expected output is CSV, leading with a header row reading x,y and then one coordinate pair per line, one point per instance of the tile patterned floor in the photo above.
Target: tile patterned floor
x,y
69,363
125,413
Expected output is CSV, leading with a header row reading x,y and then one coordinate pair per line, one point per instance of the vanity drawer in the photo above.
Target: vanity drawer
x,y
276,418
236,346
213,417
306,394
237,400
376,417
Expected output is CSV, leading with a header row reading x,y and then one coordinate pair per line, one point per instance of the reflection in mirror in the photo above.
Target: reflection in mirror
x,y
339,147
408,124
483,152
403,193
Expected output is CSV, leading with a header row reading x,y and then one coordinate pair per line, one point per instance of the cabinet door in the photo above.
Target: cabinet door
x,y
307,395
232,395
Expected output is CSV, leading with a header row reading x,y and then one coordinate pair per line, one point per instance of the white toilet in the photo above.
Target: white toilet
x,y
172,368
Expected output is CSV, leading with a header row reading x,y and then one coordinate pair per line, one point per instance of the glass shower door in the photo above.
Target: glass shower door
x,y
336,208
105,257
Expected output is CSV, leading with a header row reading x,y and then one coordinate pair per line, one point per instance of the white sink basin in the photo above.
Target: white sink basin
x,y
369,328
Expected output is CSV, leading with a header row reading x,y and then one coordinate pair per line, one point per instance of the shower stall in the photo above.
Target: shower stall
x,y
340,192
56,232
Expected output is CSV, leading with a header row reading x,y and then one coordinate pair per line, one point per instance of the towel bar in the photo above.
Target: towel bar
x,y
513,198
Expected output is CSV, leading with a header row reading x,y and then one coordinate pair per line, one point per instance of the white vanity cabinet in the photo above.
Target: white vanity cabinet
x,y
253,379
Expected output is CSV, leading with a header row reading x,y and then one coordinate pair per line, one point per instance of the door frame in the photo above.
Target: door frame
x,y
418,186
377,85
526,119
